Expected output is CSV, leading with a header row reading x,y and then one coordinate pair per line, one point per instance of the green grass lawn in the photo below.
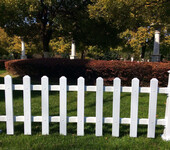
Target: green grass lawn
x,y
2,71
89,141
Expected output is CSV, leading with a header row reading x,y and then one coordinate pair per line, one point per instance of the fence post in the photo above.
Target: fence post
x,y
166,134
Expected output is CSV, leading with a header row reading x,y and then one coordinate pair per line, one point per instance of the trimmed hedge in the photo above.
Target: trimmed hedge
x,y
91,69
2,64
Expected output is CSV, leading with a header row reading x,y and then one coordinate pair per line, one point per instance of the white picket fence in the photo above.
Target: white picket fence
x,y
80,119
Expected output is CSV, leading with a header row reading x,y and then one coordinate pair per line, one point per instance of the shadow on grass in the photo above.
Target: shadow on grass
x,y
89,129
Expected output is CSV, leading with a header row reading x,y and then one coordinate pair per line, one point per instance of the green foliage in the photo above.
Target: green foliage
x,y
91,23
40,19
61,46
130,13
165,47
10,47
95,52
48,19
3,42
137,39
132,19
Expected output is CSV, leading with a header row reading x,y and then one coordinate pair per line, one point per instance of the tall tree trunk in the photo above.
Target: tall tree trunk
x,y
143,51
46,37
46,31
46,42
82,54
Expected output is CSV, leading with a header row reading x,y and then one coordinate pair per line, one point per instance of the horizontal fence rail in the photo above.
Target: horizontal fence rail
x,y
80,119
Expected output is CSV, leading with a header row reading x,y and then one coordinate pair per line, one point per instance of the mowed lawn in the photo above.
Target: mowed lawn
x,y
72,141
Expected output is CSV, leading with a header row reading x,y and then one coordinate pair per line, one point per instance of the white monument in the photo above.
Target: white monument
x,y
73,50
156,56
23,56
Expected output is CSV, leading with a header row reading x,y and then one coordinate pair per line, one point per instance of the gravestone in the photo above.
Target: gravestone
x,y
156,55
73,50
23,56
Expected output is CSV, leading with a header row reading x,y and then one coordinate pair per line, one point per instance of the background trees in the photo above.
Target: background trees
x,y
102,26
37,19
136,19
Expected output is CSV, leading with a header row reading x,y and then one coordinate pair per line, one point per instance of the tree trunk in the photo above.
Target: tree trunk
x,y
46,40
82,54
46,31
143,51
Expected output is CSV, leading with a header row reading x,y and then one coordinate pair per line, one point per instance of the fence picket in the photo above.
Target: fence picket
x,y
152,108
80,106
63,105
116,107
27,105
45,105
9,105
134,107
99,107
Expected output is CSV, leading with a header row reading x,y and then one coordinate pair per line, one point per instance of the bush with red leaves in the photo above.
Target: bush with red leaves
x,y
91,69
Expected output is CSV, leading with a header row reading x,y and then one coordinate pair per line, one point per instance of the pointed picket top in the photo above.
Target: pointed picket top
x,y
117,82
154,81
81,81
44,78
63,80
63,77
135,80
169,71
80,78
117,79
44,82
99,79
8,81
8,77
26,77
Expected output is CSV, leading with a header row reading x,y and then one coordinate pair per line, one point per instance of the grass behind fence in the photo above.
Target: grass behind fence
x,y
89,141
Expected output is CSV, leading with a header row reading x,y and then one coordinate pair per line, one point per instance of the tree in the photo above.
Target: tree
x,y
38,19
10,47
132,18
44,20
131,14
4,42
138,40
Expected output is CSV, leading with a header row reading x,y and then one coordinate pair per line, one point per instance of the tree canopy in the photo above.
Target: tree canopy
x,y
131,13
105,24
37,19
135,19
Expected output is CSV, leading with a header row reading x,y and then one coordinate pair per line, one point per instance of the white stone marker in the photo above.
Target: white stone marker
x,y
156,55
73,50
23,56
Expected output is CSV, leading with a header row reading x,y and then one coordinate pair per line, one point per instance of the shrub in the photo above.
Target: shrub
x,y
91,69
2,64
